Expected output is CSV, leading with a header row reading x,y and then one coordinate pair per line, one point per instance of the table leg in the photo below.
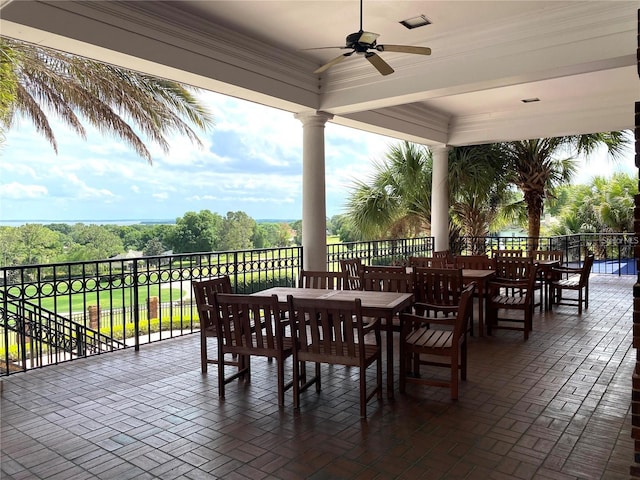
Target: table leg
x,y
389,321
481,295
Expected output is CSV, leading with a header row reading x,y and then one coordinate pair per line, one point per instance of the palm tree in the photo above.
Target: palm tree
x,y
397,200
538,169
480,196
35,80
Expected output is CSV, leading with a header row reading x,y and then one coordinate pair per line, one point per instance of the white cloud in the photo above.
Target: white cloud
x,y
19,191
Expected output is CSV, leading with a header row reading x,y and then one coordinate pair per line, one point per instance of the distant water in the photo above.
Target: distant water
x,y
17,223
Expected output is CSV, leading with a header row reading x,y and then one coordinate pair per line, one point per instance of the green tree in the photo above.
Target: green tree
x,y
480,195
196,232
123,103
38,244
605,205
154,247
396,201
93,242
297,228
343,227
10,247
237,231
540,165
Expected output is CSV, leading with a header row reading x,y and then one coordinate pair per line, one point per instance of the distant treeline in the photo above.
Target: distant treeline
x,y
202,231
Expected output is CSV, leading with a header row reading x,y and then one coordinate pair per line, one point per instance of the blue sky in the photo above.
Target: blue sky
x,y
251,161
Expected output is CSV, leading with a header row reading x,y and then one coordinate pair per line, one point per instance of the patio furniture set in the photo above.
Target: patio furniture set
x,y
337,317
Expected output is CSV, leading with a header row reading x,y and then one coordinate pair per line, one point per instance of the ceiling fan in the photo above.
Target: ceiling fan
x,y
365,43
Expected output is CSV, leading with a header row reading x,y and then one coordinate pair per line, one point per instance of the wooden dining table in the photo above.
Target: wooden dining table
x,y
374,304
481,277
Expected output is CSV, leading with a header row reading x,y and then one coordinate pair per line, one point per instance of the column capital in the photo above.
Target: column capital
x,y
313,118
439,148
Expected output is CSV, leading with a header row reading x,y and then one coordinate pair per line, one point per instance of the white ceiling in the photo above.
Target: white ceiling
x,y
577,57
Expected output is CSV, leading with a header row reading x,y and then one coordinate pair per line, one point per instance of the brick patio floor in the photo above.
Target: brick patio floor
x,y
554,407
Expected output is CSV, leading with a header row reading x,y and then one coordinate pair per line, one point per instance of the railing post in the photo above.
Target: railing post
x,y
80,344
136,310
235,270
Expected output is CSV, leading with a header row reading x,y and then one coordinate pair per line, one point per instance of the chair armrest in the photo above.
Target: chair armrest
x,y
418,306
566,270
507,283
451,321
374,324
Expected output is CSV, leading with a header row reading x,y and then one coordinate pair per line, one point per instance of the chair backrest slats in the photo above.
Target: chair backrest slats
x,y
438,286
204,292
507,253
252,322
388,279
327,330
322,279
513,268
474,262
353,270
429,262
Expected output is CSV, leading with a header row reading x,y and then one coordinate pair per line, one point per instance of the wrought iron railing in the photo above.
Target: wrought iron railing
x,y
378,252
613,251
148,299
41,337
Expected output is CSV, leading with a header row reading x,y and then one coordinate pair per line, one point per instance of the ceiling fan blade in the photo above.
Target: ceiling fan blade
x,y
404,49
333,62
322,48
383,67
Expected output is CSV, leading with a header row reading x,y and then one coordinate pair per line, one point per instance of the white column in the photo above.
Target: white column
x,y
440,198
314,209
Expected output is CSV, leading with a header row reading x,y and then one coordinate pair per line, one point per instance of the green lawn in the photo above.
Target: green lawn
x,y
116,298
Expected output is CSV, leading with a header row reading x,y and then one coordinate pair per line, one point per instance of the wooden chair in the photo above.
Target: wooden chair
x,y
546,260
446,254
507,253
437,290
513,289
353,269
567,278
474,262
440,337
334,333
204,291
427,262
321,279
517,268
388,279
250,326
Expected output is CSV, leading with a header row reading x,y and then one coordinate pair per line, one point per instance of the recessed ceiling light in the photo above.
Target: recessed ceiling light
x,y
415,22
530,100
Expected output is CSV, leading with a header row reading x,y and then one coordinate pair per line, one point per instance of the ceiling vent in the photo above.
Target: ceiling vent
x,y
415,22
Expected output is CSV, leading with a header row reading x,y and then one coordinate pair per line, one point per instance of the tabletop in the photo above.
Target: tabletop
x,y
370,300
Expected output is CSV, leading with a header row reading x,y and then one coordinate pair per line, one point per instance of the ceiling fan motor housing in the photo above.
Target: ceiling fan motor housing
x,y
353,41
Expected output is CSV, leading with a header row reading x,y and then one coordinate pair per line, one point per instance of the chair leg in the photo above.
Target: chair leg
x,y
379,375
318,384
203,352
579,301
363,391
280,381
296,383
586,296
403,362
221,382
454,379
463,360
